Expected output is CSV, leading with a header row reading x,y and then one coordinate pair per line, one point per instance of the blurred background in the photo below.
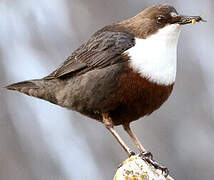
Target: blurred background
x,y
41,141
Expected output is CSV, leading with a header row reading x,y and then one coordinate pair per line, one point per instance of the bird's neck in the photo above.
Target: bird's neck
x,y
155,57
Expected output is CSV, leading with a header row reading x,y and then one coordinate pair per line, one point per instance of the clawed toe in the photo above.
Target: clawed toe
x,y
164,170
156,165
148,157
131,153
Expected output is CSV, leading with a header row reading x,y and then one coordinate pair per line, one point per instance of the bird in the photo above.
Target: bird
x,y
125,71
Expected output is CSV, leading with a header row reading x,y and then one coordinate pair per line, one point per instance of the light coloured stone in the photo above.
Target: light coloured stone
x,y
135,168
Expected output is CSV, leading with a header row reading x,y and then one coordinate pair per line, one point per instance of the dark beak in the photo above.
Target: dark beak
x,y
188,19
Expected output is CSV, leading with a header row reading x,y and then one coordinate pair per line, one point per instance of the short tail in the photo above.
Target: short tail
x,y
40,88
26,87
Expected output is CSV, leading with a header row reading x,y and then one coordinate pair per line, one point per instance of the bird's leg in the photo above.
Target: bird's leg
x,y
109,125
134,138
147,156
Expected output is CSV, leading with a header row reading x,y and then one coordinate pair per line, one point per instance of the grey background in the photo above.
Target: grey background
x,y
41,141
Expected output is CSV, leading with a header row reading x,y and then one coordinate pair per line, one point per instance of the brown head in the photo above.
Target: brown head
x,y
154,18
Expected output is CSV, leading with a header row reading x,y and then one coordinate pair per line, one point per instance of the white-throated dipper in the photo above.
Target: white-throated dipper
x,y
123,72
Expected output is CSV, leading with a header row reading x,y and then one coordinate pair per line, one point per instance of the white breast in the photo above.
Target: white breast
x,y
155,57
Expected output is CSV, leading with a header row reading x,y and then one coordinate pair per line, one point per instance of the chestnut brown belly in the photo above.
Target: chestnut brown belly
x,y
138,97
116,90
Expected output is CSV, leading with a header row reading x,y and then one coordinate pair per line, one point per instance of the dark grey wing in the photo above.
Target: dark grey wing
x,y
103,49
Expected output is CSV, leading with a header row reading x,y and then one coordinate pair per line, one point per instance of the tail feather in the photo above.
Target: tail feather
x,y
39,88
26,87
23,84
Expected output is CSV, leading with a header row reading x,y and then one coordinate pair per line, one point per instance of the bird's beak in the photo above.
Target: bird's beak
x,y
188,19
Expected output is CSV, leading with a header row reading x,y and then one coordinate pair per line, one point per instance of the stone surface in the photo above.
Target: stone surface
x,y
135,168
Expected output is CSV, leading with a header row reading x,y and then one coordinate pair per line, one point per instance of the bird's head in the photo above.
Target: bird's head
x,y
154,18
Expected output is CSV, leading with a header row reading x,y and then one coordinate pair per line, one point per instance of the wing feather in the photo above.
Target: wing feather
x,y
100,51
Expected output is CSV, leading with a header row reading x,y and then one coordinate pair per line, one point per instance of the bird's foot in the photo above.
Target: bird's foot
x,y
146,154
148,157
131,153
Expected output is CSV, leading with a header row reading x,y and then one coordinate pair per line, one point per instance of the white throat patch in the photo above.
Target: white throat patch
x,y
155,58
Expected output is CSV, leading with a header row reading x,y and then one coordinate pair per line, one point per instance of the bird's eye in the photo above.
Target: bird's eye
x,y
161,20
